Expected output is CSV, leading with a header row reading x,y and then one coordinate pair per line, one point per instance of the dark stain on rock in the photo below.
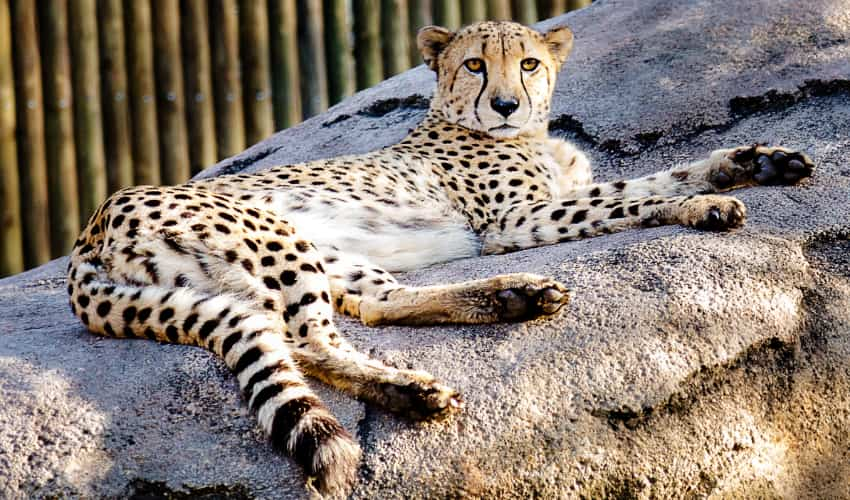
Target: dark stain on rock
x,y
142,489
775,356
238,164
364,433
383,107
774,100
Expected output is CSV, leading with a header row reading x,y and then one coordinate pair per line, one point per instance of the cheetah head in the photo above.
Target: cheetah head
x,y
495,77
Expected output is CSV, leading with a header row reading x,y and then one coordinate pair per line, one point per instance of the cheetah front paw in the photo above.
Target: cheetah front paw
x,y
536,297
762,165
419,398
713,213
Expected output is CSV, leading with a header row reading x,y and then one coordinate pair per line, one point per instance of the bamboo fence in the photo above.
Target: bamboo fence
x,y
97,95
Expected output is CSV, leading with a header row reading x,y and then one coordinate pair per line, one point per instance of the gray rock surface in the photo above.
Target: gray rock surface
x,y
687,365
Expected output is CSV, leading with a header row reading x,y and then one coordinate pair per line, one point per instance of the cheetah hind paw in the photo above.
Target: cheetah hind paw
x,y
528,301
419,398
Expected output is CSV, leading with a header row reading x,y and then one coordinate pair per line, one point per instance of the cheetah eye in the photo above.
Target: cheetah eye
x,y
529,64
474,65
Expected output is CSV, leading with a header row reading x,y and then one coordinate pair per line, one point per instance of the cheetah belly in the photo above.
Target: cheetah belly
x,y
402,237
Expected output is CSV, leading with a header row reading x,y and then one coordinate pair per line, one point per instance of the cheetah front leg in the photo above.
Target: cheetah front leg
x,y
363,290
548,222
573,167
723,170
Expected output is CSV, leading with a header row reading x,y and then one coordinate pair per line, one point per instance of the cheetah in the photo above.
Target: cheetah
x,y
252,267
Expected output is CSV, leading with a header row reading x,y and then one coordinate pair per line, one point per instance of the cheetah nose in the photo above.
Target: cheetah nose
x,y
504,106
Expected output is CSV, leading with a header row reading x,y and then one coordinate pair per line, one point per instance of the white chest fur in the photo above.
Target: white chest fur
x,y
408,235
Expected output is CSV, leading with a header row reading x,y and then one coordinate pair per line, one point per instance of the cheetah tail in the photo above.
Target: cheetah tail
x,y
251,345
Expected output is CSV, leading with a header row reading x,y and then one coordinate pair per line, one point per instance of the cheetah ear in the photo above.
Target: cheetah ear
x,y
560,42
431,40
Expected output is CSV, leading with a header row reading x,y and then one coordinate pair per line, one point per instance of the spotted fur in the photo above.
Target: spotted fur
x,y
252,267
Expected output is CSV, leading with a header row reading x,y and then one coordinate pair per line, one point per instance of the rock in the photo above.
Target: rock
x,y
687,364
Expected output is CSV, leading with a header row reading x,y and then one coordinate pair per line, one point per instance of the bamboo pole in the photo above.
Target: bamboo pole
x,y
59,129
499,10
30,121
338,51
311,50
447,13
144,128
116,115
367,43
419,13
88,125
256,79
577,4
171,108
394,30
472,11
551,8
11,244
199,102
525,11
230,122
286,93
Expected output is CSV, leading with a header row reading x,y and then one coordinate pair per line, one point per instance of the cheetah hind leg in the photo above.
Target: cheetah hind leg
x,y
322,352
297,292
250,343
510,297
414,394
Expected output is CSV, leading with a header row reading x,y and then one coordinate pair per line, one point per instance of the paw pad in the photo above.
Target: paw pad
x,y
774,166
530,301
421,400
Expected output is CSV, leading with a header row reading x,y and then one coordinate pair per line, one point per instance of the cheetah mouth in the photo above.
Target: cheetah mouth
x,y
503,131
